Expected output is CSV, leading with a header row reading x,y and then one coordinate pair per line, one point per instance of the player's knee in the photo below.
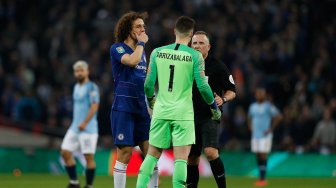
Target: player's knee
x,y
90,162
211,153
66,154
89,158
124,155
193,160
263,156
124,158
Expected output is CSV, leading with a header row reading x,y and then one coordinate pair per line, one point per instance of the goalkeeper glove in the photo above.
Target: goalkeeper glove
x,y
216,113
151,102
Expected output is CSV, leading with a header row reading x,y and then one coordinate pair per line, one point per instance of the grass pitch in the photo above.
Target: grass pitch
x,y
60,181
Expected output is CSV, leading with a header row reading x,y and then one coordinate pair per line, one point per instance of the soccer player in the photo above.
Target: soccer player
x,y
175,66
83,132
263,117
130,120
207,130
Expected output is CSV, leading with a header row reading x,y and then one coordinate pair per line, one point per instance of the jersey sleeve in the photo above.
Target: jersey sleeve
x,y
117,51
151,75
201,80
274,110
94,94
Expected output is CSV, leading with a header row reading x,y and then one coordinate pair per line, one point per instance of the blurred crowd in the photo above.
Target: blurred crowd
x,y
287,46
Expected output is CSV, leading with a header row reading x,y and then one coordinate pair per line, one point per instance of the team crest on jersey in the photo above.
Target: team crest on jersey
x,y
120,49
121,136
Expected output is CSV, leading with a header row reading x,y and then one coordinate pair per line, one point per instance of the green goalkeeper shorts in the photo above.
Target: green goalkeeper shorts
x,y
163,132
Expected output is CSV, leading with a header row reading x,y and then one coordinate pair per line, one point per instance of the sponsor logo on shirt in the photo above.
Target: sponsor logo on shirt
x,y
140,67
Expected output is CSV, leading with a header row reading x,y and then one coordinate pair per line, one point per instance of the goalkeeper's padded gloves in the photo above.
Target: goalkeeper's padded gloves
x,y
151,102
216,113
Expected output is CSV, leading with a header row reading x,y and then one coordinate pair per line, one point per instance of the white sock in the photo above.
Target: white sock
x,y
154,181
119,175
74,182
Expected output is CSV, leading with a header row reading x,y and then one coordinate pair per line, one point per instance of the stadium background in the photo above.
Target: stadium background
x,y
287,46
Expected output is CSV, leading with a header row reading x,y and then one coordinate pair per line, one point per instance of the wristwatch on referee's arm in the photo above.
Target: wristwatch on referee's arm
x,y
224,100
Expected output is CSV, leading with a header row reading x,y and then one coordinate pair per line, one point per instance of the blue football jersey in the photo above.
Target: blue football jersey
x,y
129,95
261,115
83,96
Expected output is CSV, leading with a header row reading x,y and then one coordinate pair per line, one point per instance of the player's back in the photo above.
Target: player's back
x,y
175,71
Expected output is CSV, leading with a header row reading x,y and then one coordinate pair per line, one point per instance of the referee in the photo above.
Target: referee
x,y
207,130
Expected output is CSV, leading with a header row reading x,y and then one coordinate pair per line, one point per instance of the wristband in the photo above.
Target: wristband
x,y
224,99
150,98
140,43
213,105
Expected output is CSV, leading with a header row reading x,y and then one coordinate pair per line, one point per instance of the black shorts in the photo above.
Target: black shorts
x,y
207,134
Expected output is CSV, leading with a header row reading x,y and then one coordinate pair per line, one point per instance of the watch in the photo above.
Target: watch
x,y
224,99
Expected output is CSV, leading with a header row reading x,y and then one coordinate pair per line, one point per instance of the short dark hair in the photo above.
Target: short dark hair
x,y
202,33
124,25
184,24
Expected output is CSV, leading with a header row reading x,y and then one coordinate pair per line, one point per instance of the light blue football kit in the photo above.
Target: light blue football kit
x,y
261,115
83,96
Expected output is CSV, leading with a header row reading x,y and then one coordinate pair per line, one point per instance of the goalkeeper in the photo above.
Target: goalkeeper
x,y
175,66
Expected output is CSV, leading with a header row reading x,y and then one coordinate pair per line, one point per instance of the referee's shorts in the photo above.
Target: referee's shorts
x,y
207,134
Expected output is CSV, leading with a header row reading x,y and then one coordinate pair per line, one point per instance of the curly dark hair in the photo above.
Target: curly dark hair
x,y
124,25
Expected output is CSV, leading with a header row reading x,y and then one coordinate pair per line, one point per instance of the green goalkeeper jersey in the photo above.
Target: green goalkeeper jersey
x,y
175,66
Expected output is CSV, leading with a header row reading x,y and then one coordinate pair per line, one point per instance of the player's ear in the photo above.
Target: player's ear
x,y
191,33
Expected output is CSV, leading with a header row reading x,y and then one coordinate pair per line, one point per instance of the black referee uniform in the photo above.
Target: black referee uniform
x,y
207,130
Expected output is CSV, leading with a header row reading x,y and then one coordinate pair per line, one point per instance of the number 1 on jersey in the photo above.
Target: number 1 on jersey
x,y
171,78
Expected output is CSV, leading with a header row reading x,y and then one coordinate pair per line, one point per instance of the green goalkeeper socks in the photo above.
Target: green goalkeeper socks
x,y
147,167
146,171
180,173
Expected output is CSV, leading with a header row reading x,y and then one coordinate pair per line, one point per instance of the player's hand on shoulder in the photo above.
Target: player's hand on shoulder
x,y
142,37
215,112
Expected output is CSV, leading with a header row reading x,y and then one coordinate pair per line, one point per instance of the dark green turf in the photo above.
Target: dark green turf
x,y
60,181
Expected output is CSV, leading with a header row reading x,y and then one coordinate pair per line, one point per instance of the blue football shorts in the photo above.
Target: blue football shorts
x,y
129,129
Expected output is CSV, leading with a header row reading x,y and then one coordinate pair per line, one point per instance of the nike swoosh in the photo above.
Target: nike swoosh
x,y
220,175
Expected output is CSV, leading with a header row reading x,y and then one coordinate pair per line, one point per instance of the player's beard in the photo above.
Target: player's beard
x,y
80,79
